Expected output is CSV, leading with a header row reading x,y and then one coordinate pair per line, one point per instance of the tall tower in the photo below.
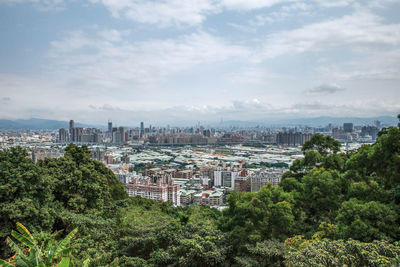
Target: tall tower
x,y
122,133
71,130
141,129
110,126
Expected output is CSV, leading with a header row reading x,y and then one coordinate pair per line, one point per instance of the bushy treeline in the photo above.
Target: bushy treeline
x,y
331,209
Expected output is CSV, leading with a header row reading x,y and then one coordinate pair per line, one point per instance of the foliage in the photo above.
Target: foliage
x,y
30,253
25,195
367,221
82,184
342,253
266,253
255,217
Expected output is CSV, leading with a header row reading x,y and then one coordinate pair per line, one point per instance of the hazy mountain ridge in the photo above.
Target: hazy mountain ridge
x,y
37,124
314,122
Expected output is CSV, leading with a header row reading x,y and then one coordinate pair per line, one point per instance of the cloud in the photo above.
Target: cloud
x,y
107,64
245,5
380,65
285,11
254,76
164,13
362,29
336,3
6,99
326,89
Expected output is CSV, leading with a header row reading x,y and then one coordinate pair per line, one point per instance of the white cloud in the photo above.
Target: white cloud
x,y
180,12
162,12
245,5
254,76
285,12
380,65
360,29
336,3
108,64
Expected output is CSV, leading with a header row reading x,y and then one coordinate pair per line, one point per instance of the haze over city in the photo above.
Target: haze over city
x,y
173,61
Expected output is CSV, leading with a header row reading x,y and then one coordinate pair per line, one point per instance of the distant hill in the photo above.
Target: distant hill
x,y
314,122
37,124
323,121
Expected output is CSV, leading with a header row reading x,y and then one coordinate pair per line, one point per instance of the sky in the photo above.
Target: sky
x,y
183,61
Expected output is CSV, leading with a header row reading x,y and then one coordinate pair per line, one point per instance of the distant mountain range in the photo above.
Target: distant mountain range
x,y
37,124
313,122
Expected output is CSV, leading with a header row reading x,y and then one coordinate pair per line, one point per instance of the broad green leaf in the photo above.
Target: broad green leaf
x,y
5,264
64,262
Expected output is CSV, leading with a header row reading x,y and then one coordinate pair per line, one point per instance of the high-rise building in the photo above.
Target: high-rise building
x,y
292,139
348,127
63,135
110,126
71,130
122,132
141,129
369,131
225,178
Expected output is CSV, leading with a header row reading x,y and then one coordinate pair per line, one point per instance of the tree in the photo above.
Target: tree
x,y
367,221
386,157
266,253
255,217
322,194
323,144
82,184
341,253
25,195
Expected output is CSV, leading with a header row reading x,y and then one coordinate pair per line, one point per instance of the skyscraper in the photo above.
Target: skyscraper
x,y
110,126
71,130
141,129
63,135
122,133
348,127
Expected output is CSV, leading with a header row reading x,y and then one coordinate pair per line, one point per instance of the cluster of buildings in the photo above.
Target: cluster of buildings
x,y
181,136
79,135
188,165
206,186
348,132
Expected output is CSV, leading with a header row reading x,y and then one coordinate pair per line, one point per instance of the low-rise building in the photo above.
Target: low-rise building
x,y
266,176
210,197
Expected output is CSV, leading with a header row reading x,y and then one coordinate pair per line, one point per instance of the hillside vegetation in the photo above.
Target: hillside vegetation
x,y
331,209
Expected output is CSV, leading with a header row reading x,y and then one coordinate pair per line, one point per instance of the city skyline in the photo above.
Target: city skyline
x,y
174,61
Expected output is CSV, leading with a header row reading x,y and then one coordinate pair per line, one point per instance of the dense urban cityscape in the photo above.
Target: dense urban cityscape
x,y
189,165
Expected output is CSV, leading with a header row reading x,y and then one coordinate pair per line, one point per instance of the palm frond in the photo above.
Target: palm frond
x,y
3,263
86,263
62,246
64,262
